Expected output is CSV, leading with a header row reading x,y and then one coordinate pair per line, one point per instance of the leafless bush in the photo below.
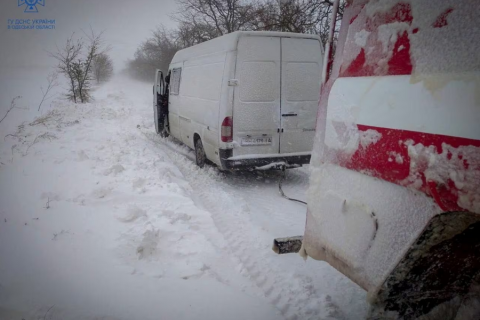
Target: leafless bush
x,y
51,83
102,67
52,115
39,137
156,52
66,58
75,62
13,105
55,235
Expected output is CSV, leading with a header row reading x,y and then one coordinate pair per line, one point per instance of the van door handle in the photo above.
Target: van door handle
x,y
289,115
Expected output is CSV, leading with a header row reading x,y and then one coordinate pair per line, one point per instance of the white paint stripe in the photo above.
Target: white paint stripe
x,y
442,104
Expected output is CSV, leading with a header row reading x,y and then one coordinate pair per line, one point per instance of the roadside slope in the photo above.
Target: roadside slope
x,y
97,224
102,217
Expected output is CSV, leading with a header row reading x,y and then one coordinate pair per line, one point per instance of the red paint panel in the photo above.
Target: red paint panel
x,y
401,12
355,10
400,62
366,63
375,158
380,160
357,68
441,21
353,18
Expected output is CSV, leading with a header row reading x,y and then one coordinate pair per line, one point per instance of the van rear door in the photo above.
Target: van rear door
x,y
300,94
256,111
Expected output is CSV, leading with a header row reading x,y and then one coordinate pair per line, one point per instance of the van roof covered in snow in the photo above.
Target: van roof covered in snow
x,y
229,42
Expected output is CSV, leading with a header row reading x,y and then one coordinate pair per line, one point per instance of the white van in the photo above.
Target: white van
x,y
246,100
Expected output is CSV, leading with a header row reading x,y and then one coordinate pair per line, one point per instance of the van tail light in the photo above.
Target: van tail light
x,y
227,129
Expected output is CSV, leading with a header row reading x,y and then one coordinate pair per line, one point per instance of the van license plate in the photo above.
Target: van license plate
x,y
256,141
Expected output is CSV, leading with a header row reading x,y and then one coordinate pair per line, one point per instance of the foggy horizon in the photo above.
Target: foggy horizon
x,y
125,25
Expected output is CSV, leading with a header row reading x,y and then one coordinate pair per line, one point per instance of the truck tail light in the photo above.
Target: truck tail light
x,y
227,129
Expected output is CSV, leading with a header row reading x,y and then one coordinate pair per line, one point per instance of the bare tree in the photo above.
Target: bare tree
x,y
224,15
156,52
162,46
76,65
84,74
301,16
102,67
203,20
51,83
189,34
291,16
66,56
324,21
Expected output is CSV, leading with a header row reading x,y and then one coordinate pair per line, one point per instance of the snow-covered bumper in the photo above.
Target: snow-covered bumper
x,y
392,241
262,162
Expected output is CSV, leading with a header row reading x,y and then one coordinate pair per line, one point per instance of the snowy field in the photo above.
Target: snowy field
x,y
100,218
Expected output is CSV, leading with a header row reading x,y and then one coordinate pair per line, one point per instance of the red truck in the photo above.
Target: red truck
x,y
394,196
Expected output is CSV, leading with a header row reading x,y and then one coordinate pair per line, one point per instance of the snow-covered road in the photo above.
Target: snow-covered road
x,y
103,219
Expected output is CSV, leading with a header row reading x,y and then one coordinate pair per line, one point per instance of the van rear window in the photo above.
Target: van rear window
x,y
175,81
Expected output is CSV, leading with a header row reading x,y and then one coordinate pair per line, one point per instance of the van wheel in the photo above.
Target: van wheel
x,y
162,126
199,153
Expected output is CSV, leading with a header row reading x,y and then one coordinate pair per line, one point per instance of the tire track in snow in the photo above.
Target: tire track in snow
x,y
293,295
262,187
253,184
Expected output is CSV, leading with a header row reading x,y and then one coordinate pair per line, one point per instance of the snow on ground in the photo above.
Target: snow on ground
x,y
100,218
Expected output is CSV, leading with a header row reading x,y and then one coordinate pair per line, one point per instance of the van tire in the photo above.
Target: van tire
x,y
200,156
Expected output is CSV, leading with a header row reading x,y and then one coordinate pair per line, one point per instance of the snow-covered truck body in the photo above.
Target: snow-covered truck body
x,y
250,98
394,196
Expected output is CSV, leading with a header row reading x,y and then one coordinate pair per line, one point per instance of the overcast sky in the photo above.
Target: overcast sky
x,y
24,61
126,24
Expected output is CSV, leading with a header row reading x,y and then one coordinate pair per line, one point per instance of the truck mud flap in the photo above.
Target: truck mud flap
x,y
287,245
440,266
